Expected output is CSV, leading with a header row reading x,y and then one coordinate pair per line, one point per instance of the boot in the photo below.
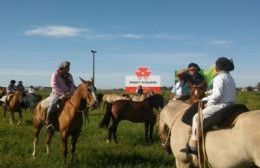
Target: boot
x,y
50,121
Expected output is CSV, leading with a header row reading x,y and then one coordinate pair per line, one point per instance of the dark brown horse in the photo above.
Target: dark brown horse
x,y
133,111
69,119
12,105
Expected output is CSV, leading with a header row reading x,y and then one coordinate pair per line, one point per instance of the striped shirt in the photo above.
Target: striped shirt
x,y
224,90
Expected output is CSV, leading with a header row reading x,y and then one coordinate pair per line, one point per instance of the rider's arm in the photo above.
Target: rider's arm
x,y
217,91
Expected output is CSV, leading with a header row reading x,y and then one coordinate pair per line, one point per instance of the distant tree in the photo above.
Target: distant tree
x,y
258,86
249,88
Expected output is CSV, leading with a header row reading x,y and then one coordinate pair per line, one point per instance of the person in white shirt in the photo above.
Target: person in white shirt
x,y
181,90
223,94
31,90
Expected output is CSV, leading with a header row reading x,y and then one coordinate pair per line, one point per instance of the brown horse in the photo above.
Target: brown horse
x,y
12,105
133,111
69,119
197,93
2,91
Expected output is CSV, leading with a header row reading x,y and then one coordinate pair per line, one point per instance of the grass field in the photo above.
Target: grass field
x,y
16,144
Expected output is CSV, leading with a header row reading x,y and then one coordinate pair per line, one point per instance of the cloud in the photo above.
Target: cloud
x,y
168,36
221,42
130,36
55,31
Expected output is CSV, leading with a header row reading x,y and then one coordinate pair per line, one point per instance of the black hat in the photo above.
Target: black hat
x,y
225,64
194,65
12,81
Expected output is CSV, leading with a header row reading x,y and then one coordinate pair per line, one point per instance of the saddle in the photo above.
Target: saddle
x,y
224,118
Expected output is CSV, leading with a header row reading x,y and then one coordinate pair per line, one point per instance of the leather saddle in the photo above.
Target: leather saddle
x,y
224,118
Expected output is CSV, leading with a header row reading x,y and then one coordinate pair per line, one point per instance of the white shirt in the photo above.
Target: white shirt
x,y
176,89
224,90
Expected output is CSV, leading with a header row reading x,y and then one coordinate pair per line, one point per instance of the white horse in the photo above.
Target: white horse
x,y
234,147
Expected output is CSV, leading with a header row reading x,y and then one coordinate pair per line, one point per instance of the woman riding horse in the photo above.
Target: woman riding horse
x,y
223,94
69,120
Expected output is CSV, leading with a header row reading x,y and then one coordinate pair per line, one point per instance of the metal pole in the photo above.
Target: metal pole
x,y
93,70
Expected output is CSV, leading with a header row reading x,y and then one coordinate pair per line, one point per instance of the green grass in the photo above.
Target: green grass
x,y
16,144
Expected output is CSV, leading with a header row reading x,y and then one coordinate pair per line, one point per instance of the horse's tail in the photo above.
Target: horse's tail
x,y
107,116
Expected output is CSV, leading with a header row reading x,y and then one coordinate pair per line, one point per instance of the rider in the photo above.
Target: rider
x,y
195,79
31,90
11,88
223,94
62,86
181,89
140,90
20,87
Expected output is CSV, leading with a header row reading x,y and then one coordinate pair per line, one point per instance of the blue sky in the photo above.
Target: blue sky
x,y
164,35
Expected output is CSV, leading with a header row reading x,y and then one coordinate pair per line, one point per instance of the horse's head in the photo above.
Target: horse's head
x,y
155,100
196,93
88,93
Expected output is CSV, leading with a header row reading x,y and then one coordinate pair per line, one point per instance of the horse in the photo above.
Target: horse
x,y
141,97
69,119
196,93
14,105
132,111
229,147
31,100
2,91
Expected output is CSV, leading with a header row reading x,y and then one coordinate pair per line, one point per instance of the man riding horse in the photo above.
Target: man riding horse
x,y
62,86
194,79
11,88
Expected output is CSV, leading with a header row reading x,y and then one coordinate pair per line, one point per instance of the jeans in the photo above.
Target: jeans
x,y
206,114
52,109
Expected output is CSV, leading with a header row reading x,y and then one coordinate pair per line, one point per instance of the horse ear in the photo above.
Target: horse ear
x,y
82,80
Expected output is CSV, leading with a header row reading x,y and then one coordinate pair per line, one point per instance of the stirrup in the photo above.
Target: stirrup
x,y
192,150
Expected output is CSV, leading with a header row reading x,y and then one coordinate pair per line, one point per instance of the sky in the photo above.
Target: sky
x,y
163,35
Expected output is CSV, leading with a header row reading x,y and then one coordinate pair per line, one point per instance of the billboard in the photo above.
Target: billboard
x,y
143,77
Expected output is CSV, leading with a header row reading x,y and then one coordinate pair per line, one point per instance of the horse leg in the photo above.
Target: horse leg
x,y
48,140
146,126
115,130
37,130
151,131
4,109
112,130
74,139
64,148
20,117
11,113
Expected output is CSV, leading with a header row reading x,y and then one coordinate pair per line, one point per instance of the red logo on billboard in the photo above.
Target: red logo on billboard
x,y
143,72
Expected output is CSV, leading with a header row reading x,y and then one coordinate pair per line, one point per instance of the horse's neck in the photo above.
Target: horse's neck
x,y
76,99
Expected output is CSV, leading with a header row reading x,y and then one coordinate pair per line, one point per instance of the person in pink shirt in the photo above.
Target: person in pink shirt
x,y
62,85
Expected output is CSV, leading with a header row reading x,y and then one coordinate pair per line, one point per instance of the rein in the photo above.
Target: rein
x,y
203,147
169,133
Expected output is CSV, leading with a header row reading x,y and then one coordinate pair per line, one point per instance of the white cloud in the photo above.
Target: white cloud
x,y
130,36
221,42
168,36
56,31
